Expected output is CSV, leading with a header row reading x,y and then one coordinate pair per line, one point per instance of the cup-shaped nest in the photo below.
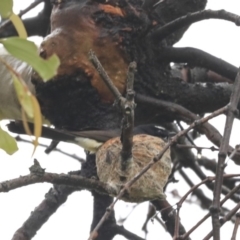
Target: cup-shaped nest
x,y
145,148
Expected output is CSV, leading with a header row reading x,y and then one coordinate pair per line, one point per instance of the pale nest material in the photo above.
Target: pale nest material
x,y
145,148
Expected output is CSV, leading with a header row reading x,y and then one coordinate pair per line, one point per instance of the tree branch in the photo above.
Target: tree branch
x,y
187,116
166,30
231,113
198,58
228,196
39,175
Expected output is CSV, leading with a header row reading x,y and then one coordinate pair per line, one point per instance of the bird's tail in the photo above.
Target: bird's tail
x,y
47,132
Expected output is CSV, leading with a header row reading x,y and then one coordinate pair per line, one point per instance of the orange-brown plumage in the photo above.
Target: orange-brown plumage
x,y
74,33
145,148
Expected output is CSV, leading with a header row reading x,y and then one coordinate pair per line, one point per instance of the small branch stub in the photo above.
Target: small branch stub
x,y
37,169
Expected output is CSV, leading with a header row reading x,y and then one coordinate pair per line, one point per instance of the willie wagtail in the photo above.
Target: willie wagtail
x,y
90,140
148,141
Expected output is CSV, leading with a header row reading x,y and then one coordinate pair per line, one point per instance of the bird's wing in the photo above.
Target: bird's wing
x,y
64,135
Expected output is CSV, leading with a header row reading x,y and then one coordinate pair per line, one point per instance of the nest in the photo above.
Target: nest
x,y
145,148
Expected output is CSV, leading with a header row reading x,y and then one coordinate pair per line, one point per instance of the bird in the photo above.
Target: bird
x,y
148,141
90,140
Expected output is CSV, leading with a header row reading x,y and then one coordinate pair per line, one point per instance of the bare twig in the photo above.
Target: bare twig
x,y
197,147
127,234
93,58
232,192
168,215
224,220
179,204
236,226
205,201
151,163
39,175
128,106
232,111
210,131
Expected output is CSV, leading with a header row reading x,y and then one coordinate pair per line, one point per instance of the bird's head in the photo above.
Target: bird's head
x,y
154,131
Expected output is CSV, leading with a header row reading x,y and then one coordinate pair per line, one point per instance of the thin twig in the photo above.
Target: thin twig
x,y
179,204
196,147
151,163
205,201
96,63
187,116
232,112
127,107
236,226
232,192
224,220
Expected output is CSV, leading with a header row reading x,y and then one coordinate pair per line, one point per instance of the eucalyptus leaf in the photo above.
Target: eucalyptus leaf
x,y
27,51
7,142
6,8
24,96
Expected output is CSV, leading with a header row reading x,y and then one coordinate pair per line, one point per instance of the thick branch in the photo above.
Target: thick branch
x,y
63,179
53,200
190,18
168,215
197,57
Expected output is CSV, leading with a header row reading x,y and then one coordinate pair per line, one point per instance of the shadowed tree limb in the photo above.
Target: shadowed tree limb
x,y
198,58
205,201
168,215
55,197
53,200
163,32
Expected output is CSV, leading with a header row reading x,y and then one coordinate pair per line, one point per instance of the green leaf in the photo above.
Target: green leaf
x,y
24,96
18,24
31,106
6,8
7,142
27,51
